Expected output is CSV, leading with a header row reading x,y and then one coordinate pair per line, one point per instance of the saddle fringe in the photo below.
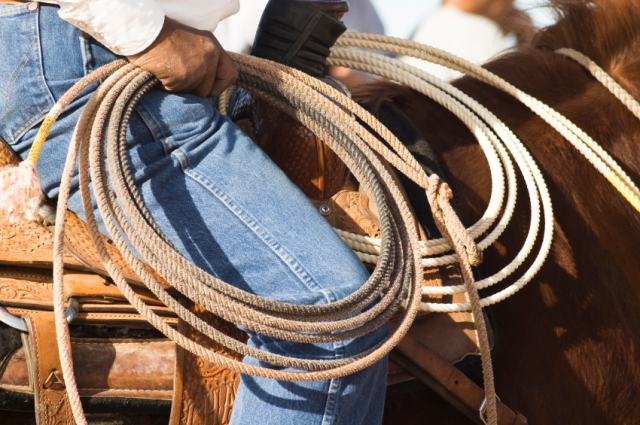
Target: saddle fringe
x,y
20,193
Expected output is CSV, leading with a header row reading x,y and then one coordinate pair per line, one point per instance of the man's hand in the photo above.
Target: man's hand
x,y
185,59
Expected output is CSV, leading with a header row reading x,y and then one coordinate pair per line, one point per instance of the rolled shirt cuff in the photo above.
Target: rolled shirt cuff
x,y
126,27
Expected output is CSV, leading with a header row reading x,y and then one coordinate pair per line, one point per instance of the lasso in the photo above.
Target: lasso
x,y
399,255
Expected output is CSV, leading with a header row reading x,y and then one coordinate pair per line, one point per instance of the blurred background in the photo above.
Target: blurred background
x,y
475,30
401,17
397,18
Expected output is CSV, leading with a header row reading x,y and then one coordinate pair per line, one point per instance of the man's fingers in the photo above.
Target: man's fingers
x,y
220,86
206,85
187,60
184,59
226,74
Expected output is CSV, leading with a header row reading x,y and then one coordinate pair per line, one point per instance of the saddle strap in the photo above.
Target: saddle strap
x,y
448,382
45,371
204,392
106,368
23,290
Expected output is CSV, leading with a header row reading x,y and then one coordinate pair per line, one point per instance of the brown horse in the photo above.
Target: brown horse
x,y
568,344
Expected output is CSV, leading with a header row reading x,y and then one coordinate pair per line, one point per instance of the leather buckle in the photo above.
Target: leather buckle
x,y
17,323
482,411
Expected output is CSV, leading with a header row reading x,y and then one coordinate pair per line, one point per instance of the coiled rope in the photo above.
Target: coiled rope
x,y
445,94
495,145
474,116
396,280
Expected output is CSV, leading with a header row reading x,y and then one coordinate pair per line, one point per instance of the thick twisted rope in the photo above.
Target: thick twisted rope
x,y
439,195
605,79
223,99
62,330
453,230
473,115
369,61
111,106
396,280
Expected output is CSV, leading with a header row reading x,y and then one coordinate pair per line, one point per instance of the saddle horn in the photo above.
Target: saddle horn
x,y
299,34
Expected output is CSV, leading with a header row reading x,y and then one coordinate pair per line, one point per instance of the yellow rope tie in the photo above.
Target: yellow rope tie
x,y
624,190
64,101
41,137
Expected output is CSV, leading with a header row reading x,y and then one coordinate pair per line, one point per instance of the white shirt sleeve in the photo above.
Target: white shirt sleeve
x,y
128,27
200,14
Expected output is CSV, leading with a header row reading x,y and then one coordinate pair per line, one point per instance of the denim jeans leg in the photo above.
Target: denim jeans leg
x,y
263,236
222,203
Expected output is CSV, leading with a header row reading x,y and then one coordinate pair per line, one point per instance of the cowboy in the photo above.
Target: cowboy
x,y
211,190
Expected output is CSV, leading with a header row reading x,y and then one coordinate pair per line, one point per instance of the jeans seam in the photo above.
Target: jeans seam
x,y
6,91
154,127
286,257
329,416
44,80
20,131
37,46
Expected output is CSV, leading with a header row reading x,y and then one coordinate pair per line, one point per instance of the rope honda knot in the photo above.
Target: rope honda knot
x,y
474,255
433,188
440,194
20,193
445,193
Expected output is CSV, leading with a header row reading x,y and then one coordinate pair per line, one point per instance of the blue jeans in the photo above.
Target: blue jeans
x,y
216,195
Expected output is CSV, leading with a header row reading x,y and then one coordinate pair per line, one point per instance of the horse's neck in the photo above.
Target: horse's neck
x,y
599,227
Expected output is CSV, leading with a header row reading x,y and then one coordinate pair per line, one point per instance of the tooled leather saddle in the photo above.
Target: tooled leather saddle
x,y
121,363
